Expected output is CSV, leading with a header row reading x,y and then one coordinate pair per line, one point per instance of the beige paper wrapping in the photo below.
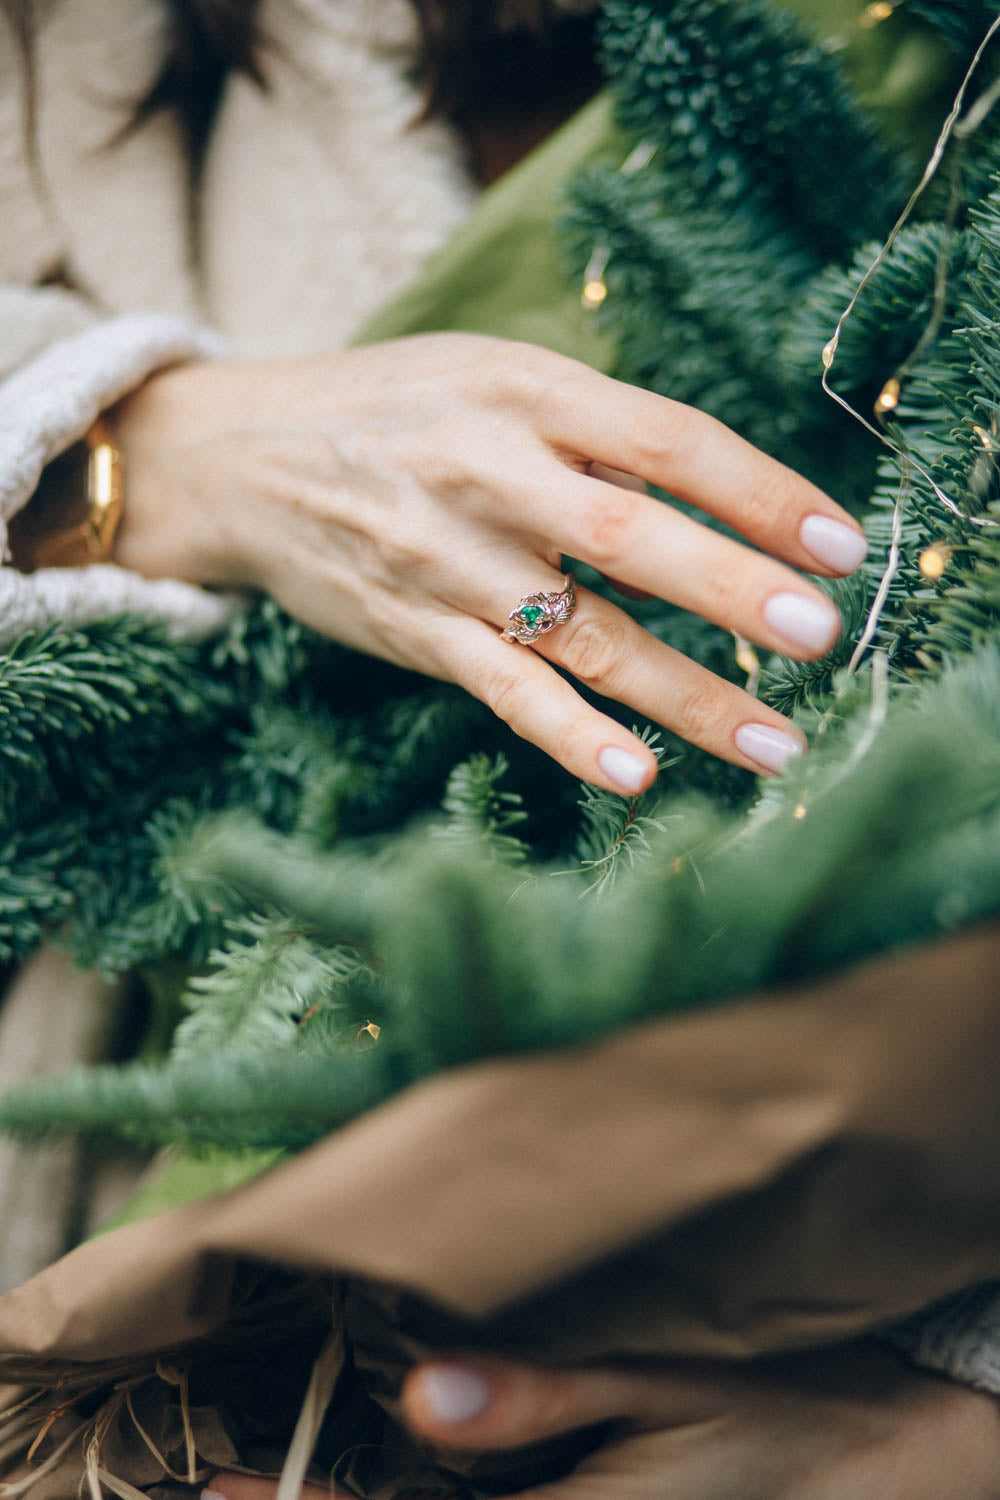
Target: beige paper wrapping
x,y
791,1170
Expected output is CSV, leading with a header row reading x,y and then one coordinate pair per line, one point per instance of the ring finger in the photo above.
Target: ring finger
x,y
605,649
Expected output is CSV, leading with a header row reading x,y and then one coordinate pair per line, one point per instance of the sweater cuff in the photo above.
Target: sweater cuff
x,y
45,407
958,1337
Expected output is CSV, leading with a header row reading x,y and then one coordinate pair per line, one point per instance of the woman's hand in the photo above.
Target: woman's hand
x,y
854,1424
403,498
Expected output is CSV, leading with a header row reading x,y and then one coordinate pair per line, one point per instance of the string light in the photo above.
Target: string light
x,y
748,661
888,398
800,811
935,559
372,1028
829,352
594,286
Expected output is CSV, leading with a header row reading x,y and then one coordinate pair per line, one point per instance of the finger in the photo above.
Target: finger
x,y
699,460
656,548
230,1486
490,1404
541,707
608,651
625,482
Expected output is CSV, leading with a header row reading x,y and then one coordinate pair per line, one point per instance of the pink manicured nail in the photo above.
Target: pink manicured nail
x,y
769,747
831,543
805,622
212,1495
627,771
455,1393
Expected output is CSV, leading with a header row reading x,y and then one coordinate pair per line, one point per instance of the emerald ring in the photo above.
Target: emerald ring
x,y
537,614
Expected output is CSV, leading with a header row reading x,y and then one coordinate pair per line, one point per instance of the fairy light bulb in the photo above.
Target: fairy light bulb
x,y
874,14
595,288
888,398
828,352
800,811
935,559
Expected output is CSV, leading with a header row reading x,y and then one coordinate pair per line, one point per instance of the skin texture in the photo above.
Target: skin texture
x,y
403,498
852,1424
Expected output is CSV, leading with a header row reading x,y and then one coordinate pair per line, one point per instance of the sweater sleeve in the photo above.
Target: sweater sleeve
x,y
63,364
66,352
958,1336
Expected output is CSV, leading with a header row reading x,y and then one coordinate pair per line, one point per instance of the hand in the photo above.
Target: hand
x,y
854,1424
403,498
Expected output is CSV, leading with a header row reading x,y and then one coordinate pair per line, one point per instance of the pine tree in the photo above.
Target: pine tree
x,y
273,810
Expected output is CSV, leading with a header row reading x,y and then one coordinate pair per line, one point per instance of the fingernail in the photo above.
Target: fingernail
x,y
212,1495
769,747
807,623
626,770
454,1393
833,544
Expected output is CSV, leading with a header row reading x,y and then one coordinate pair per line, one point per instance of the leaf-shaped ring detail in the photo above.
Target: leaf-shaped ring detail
x,y
537,614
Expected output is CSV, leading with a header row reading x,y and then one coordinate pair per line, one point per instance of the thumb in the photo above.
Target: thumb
x,y
486,1403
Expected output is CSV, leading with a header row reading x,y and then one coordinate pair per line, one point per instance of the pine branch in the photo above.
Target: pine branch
x,y
481,814
614,833
281,1101
475,964
748,109
266,978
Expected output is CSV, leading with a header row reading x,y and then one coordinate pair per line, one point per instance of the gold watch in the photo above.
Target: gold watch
x,y
72,518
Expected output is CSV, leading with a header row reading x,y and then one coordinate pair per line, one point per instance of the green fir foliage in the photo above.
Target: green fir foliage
x,y
263,805
481,813
749,111
899,841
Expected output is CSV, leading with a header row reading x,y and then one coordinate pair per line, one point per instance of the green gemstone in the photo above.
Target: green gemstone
x,y
531,614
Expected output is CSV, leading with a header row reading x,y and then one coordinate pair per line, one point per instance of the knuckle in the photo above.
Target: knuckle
x,y
698,711
605,524
660,445
503,692
765,506
402,552
593,652
514,370
722,597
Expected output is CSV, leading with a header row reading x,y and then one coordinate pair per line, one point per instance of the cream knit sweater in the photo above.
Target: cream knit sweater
x,y
319,200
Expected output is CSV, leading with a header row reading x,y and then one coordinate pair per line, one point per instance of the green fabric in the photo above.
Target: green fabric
x,y
176,1177
502,273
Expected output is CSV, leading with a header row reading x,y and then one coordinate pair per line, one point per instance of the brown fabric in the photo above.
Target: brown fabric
x,y
792,1170
785,1171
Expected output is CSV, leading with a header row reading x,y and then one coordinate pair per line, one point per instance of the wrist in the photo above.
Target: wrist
x,y
178,520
